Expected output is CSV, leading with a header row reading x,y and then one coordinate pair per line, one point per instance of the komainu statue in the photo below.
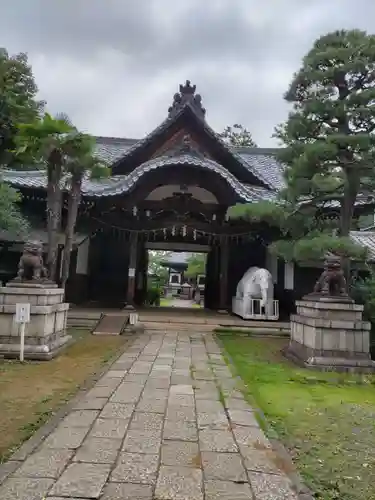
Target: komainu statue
x,y
30,266
332,281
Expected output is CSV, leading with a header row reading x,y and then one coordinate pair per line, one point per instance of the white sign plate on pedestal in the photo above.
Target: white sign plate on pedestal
x,y
22,317
133,318
131,272
22,313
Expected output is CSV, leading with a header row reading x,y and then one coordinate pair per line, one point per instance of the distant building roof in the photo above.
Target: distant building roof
x,y
176,261
367,240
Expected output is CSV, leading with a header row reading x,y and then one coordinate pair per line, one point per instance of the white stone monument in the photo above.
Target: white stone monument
x,y
254,296
45,333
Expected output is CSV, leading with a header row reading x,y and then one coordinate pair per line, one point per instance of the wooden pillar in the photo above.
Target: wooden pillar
x,y
141,282
223,270
133,245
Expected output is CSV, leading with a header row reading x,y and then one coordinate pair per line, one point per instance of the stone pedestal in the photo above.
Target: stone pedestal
x,y
327,334
45,335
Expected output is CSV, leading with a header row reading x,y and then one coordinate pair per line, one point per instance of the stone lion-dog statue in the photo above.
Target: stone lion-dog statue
x,y
31,266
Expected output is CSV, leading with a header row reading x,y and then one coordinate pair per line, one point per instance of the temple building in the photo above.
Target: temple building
x,y
176,264
168,191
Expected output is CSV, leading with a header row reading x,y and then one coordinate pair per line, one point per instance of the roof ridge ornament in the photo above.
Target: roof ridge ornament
x,y
185,146
187,96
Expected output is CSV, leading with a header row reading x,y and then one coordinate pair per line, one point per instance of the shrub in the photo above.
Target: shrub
x,y
153,296
363,292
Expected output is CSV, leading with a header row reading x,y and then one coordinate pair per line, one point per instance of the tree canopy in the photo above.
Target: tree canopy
x,y
329,145
196,265
238,135
18,104
155,267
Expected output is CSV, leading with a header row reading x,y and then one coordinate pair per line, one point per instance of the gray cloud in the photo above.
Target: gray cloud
x,y
114,65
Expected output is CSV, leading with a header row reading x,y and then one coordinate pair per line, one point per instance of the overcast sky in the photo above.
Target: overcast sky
x,y
114,65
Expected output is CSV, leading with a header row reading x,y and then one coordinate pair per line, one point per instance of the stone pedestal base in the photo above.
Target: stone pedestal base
x,y
330,335
45,335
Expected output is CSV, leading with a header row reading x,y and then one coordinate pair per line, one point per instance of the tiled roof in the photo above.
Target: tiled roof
x,y
261,162
110,149
365,239
176,258
39,235
264,163
133,146
119,184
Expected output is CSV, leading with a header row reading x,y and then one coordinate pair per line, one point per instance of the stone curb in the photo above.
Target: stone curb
x,y
302,490
29,446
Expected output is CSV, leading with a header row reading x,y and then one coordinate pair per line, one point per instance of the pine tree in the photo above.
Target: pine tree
x,y
329,140
330,133
238,135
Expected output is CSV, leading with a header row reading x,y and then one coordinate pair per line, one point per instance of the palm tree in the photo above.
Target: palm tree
x,y
49,143
82,163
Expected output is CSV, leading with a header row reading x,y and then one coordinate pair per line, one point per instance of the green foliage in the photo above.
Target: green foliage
x,y
196,265
329,152
155,258
303,234
363,291
365,221
238,135
329,135
325,419
272,213
45,141
11,218
153,296
18,102
315,247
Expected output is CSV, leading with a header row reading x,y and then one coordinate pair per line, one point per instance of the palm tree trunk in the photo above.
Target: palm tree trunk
x,y
73,204
54,208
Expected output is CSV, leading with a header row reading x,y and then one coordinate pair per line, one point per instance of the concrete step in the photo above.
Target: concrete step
x,y
181,327
160,320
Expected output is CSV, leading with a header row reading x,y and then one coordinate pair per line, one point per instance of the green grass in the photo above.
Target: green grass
x,y
31,392
165,302
326,420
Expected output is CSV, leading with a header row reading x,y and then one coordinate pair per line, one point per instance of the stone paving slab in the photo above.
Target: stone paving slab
x,y
82,481
24,488
127,491
45,463
179,483
136,468
154,427
181,453
80,418
98,450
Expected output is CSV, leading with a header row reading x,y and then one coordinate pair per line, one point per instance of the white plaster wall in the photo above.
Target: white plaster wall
x,y
289,276
271,265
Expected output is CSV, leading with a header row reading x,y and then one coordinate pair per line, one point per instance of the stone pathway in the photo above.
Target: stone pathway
x,y
155,427
182,303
